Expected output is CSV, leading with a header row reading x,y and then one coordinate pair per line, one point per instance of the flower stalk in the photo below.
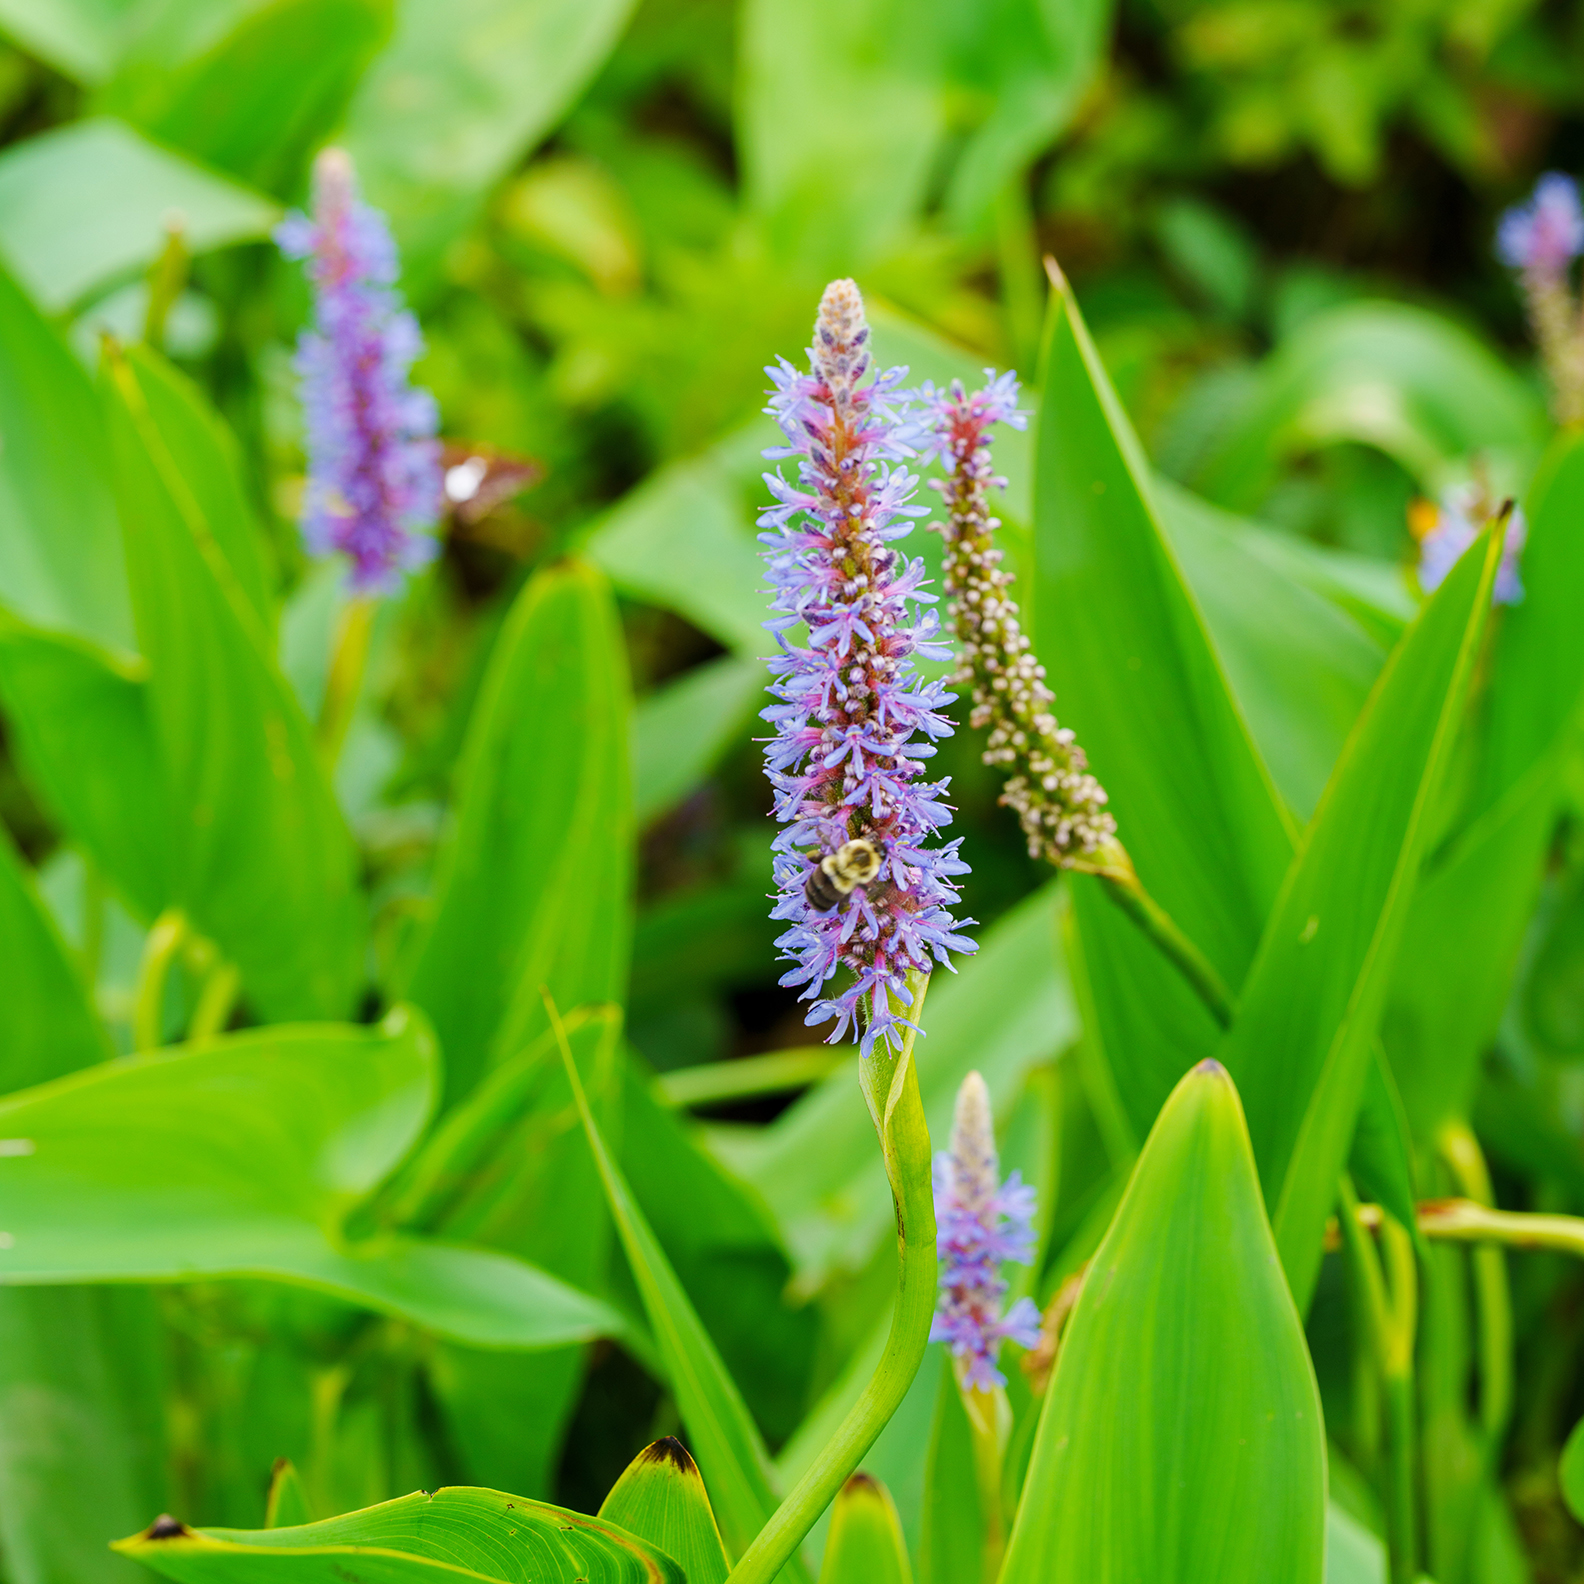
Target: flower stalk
x,y
889,1080
1540,239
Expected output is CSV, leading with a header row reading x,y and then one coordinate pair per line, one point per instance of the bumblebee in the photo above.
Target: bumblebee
x,y
838,874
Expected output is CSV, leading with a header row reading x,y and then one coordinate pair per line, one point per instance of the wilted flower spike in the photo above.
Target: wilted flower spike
x,y
1446,530
374,478
855,880
1541,239
981,1223
1059,804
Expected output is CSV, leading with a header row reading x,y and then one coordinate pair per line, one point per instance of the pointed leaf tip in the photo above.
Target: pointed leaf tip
x,y
1210,1068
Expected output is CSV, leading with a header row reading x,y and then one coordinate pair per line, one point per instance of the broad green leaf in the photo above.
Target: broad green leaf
x,y
723,1247
265,864
1299,664
49,1026
1402,379
80,726
725,1439
80,38
87,203
211,468
1570,1472
533,887
61,564
255,102
82,1456
1137,677
838,145
288,1500
1300,1047
1181,1438
456,1532
1353,1554
1008,1008
865,1544
682,730
660,1498
240,1157
681,540
458,97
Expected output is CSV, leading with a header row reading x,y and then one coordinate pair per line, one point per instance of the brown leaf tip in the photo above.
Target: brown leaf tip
x,y
861,1484
671,1451
166,1528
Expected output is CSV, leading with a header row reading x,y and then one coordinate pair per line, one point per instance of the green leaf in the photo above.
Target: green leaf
x,y
458,97
1008,1008
82,1453
1181,1438
49,1026
265,864
865,1544
61,565
258,100
1570,1471
459,1531
288,1501
682,730
660,1497
1136,676
80,38
1301,1044
86,204
241,1157
1402,379
533,887
725,1439
1299,663
80,726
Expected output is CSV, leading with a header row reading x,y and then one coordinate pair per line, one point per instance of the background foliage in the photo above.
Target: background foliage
x,y
1276,215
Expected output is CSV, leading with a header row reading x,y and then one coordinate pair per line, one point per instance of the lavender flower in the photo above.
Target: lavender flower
x,y
981,1223
1060,805
1541,239
1446,530
1547,233
856,881
374,485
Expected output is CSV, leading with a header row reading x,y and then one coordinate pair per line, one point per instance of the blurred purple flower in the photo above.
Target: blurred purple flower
x,y
374,478
981,1223
1451,527
846,761
1545,234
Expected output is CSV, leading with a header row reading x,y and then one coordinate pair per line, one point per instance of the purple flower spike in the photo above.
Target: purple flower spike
x,y
1448,529
374,481
981,1223
1546,234
855,879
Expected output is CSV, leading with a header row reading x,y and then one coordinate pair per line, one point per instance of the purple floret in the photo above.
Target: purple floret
x,y
1545,234
374,475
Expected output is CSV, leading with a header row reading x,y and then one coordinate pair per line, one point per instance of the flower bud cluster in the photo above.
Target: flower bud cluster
x,y
1059,804
854,724
1540,239
981,1224
374,477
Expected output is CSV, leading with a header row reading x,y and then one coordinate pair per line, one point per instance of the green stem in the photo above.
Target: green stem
x,y
748,1077
890,1086
348,660
1128,893
989,1422
93,894
165,939
215,1001
1390,1308
166,280
1465,1160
